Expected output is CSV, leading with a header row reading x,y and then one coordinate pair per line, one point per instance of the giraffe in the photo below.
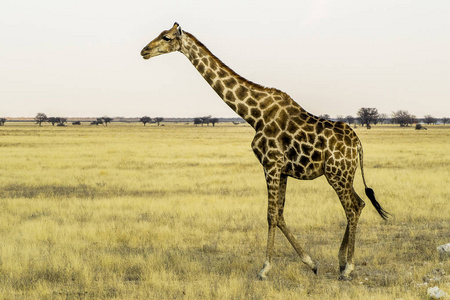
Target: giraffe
x,y
288,142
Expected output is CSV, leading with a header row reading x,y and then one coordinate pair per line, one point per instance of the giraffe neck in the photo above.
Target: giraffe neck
x,y
247,99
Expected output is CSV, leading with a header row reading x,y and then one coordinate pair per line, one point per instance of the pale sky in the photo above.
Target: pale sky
x,y
82,58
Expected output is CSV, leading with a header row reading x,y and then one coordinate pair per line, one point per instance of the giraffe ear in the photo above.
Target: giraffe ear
x,y
179,31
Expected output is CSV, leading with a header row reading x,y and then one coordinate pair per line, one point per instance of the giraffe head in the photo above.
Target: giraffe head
x,y
168,41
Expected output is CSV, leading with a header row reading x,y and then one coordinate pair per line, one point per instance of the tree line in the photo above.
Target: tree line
x,y
41,118
60,121
366,116
197,121
147,119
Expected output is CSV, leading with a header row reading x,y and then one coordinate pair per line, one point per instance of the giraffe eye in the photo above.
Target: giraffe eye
x,y
166,38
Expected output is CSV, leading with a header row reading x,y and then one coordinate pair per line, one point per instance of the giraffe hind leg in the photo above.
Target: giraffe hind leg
x,y
359,204
343,250
353,206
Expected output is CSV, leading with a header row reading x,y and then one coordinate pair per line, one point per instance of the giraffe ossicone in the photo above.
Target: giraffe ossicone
x,y
288,142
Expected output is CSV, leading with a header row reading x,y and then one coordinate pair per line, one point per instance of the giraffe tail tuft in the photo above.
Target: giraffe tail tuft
x,y
369,192
371,195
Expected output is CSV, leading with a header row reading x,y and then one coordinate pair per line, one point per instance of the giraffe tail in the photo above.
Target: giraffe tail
x,y
369,192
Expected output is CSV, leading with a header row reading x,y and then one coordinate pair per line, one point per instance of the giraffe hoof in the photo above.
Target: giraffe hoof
x,y
344,278
262,274
316,268
262,277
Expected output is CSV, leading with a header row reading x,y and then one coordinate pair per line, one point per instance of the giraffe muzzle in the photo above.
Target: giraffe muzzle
x,y
146,53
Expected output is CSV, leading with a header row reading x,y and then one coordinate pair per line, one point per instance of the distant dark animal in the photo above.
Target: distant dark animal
x,y
420,127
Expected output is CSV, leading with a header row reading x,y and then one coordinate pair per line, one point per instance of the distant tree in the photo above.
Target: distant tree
x,y
40,118
214,121
62,121
382,118
368,115
428,119
2,121
403,118
76,123
236,123
159,120
203,120
145,120
52,120
445,120
340,118
206,120
325,116
197,121
59,121
350,119
106,120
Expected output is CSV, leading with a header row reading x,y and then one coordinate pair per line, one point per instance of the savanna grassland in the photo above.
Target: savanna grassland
x,y
179,212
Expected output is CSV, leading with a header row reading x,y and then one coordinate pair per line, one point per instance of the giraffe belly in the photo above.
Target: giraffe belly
x,y
300,171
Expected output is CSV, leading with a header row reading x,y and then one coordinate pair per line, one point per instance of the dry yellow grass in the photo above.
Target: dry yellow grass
x,y
179,212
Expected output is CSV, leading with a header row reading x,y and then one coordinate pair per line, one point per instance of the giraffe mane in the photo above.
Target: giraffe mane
x,y
223,65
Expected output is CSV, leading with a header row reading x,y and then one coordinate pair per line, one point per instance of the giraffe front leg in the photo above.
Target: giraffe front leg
x,y
281,223
306,259
262,275
273,182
